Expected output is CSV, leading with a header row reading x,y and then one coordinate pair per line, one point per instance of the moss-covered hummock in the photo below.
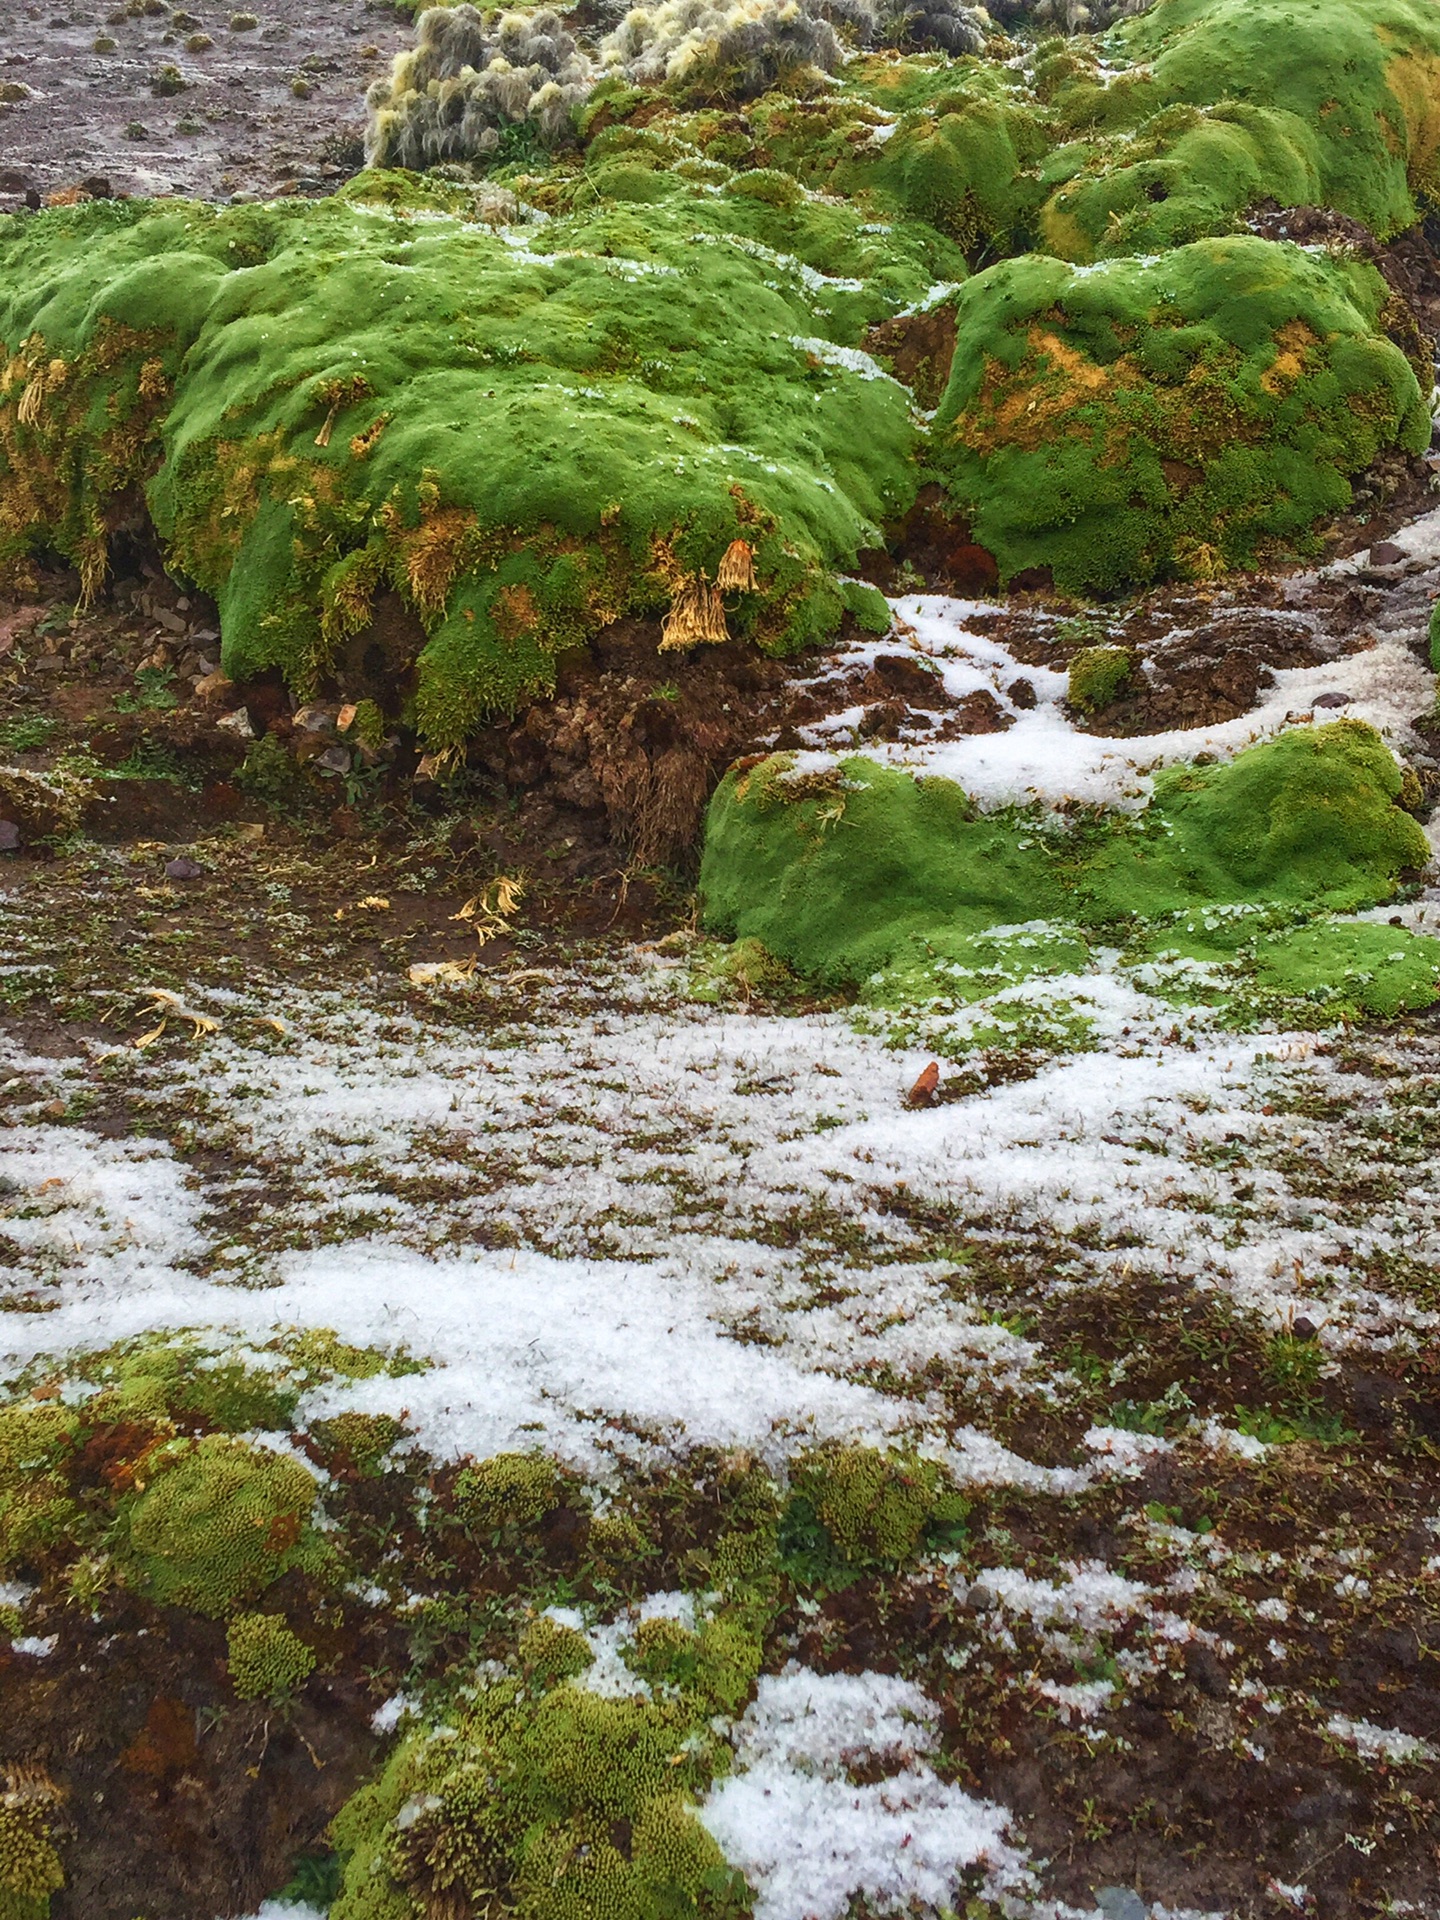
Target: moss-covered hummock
x,y
1228,103
1192,413
847,873
220,1522
549,1802
522,435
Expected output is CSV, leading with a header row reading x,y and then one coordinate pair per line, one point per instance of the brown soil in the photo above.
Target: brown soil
x,y
235,126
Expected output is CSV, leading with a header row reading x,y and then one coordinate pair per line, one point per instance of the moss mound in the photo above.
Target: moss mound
x,y
569,1805
266,1660
840,873
1190,413
220,1522
522,435
1235,101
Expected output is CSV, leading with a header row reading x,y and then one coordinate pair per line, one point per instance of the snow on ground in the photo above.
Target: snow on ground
x,y
1043,757
809,1839
620,1227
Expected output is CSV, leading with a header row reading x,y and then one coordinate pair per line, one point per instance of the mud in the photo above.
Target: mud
x,y
277,108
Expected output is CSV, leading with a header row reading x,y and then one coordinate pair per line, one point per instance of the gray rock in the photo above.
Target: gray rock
x,y
1121,1903
1331,700
980,1598
183,868
334,760
9,836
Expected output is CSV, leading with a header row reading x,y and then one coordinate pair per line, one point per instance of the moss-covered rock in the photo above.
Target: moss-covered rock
x,y
1179,415
1230,102
523,436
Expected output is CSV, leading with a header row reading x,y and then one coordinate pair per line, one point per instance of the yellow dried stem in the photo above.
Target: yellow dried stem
x,y
93,559
433,554
363,443
737,569
696,618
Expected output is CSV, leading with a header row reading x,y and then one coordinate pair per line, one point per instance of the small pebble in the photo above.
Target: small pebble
x,y
980,1598
9,836
1331,700
1121,1903
1304,1329
183,868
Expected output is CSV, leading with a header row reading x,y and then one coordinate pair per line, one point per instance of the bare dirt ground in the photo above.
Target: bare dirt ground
x,y
149,99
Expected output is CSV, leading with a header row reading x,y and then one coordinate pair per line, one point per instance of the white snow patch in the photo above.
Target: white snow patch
x,y
1380,1743
809,1840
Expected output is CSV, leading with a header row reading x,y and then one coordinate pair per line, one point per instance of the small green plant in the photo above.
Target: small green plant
x,y
266,1660
316,1882
167,80
1098,676
27,733
149,760
243,22
154,689
1435,637
268,774
198,43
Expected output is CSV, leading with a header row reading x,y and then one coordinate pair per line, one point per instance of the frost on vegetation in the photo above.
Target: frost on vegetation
x,y
470,80
723,49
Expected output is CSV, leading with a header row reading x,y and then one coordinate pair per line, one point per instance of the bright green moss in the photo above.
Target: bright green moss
x,y
1349,971
508,1490
359,1441
220,1522
30,1869
1309,820
875,1505
37,1513
1434,634
1098,676
266,1660
1349,87
1179,415
550,1652
525,442
524,1802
